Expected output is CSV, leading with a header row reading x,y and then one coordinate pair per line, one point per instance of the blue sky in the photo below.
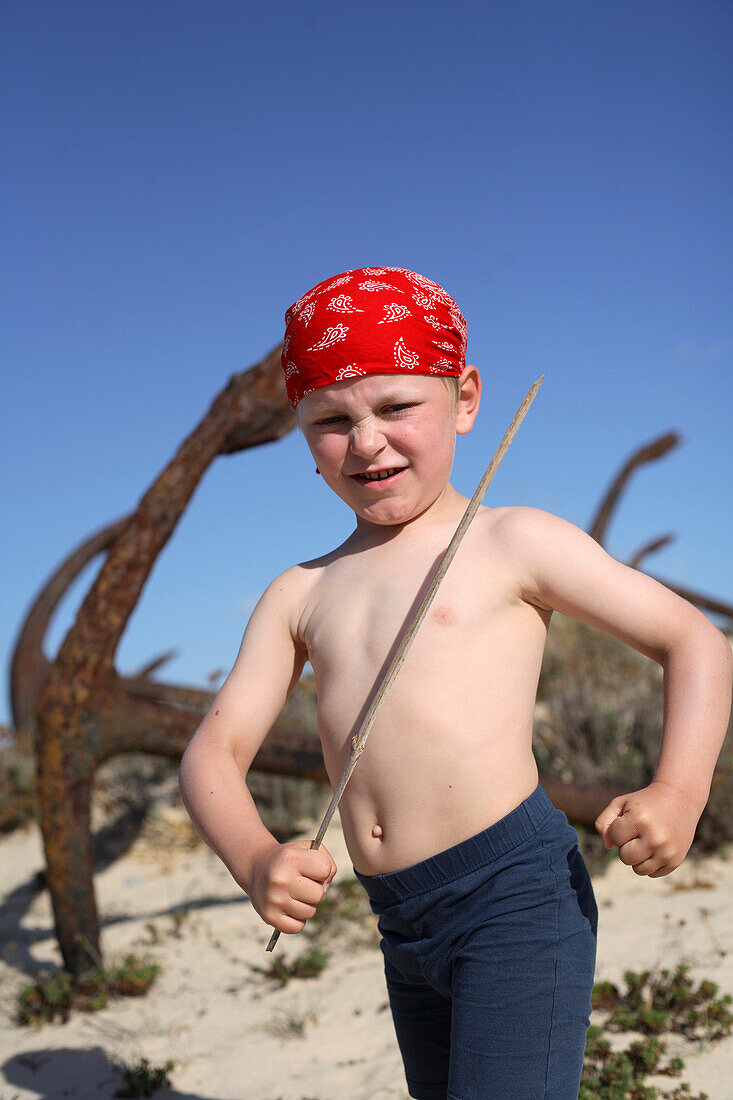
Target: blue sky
x,y
179,171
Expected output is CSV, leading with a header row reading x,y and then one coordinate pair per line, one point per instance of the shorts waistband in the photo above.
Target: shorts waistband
x,y
470,854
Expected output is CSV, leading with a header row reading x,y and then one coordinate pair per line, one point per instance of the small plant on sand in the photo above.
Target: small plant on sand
x,y
291,1021
652,1004
153,934
144,1080
620,1075
307,965
344,909
58,995
179,916
667,1001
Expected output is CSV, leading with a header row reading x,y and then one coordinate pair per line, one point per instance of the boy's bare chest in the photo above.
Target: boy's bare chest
x,y
361,606
356,611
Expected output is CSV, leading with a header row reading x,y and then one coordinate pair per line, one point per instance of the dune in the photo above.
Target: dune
x,y
236,1034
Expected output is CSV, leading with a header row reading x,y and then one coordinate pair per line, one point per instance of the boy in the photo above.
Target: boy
x,y
486,911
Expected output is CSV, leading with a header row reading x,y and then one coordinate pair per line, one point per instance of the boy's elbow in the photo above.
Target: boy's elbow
x,y
721,644
709,644
696,629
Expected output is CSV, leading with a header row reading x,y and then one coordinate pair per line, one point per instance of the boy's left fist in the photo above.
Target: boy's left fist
x,y
652,828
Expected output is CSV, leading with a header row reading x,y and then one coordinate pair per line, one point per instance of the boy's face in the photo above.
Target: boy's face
x,y
400,425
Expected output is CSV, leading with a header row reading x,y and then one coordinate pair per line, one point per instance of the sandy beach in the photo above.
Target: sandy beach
x,y
235,1034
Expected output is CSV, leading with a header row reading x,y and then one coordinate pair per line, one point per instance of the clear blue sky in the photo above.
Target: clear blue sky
x,y
179,171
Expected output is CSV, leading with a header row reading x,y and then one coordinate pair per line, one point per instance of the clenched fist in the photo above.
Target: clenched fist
x,y
287,881
652,828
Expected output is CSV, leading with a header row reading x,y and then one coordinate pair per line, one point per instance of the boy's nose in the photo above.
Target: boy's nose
x,y
366,439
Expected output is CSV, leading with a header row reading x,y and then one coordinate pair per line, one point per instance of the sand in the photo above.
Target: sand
x,y
237,1035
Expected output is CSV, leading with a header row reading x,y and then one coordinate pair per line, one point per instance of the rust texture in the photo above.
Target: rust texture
x,y
83,712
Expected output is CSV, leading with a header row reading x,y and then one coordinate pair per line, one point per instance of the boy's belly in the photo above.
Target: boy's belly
x,y
449,754
419,799
403,841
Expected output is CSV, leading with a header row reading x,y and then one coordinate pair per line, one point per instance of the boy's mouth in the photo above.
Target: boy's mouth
x,y
378,477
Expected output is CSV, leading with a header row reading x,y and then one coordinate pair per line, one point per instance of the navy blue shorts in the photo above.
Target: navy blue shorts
x,y
489,954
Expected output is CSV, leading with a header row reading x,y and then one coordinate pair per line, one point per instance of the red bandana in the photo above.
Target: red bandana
x,y
372,320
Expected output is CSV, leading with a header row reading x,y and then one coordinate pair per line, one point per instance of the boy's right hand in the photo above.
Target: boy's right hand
x,y
287,881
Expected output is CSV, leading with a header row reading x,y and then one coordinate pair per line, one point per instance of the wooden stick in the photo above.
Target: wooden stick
x,y
358,741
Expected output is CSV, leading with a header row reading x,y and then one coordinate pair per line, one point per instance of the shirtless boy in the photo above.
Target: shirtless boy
x,y
486,911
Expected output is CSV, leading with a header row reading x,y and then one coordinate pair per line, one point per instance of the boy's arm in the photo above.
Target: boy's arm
x,y
218,757
563,568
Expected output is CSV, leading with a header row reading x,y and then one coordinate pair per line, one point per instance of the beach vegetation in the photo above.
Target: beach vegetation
x,y
666,1001
56,996
309,964
144,1080
652,1004
290,1021
344,912
179,916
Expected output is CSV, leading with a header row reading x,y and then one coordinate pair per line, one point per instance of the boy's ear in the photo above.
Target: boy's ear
x,y
469,399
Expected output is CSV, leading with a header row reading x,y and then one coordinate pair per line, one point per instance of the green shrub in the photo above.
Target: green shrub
x,y
652,1004
144,1080
54,996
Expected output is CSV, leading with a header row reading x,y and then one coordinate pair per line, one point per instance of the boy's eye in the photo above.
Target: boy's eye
x,y
390,410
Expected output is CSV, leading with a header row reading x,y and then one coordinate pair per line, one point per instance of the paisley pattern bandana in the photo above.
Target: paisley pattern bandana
x,y
371,320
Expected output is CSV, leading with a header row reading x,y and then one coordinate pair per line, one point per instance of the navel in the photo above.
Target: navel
x,y
377,830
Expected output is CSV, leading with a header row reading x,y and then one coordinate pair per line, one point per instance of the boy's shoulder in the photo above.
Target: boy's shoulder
x,y
509,526
523,521
515,521
551,559
544,557
295,577
287,592
518,534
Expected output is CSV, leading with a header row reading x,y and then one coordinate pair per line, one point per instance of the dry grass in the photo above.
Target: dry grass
x,y
291,1020
599,720
600,713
